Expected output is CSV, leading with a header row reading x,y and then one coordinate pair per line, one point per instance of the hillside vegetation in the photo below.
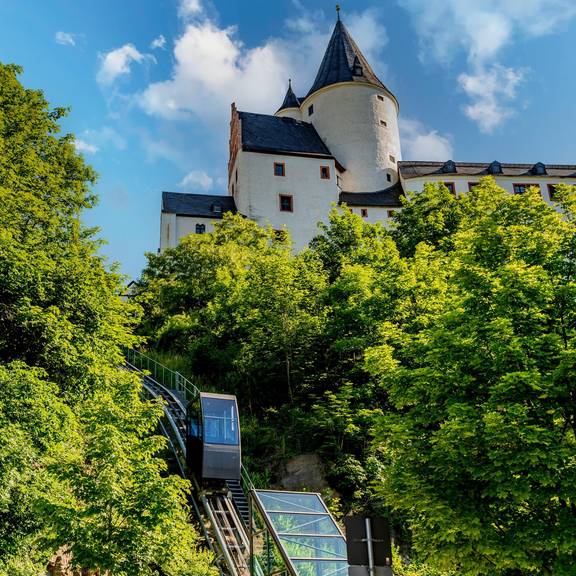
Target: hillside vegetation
x,y
431,367
80,465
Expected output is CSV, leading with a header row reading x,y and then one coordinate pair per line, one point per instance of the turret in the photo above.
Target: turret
x,y
355,115
291,105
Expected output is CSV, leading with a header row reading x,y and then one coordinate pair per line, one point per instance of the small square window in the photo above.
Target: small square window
x,y
310,109
389,177
364,212
521,188
200,228
391,213
392,159
451,187
383,123
472,185
552,192
286,204
380,97
279,169
325,172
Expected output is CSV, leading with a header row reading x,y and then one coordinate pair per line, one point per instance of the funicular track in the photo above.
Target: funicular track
x,y
223,528
252,532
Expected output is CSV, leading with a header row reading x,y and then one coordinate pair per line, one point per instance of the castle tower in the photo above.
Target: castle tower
x,y
355,115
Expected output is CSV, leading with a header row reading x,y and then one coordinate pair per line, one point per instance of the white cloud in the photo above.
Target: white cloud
x,y
104,137
65,38
418,143
490,91
197,179
188,8
482,30
213,67
85,147
159,42
117,63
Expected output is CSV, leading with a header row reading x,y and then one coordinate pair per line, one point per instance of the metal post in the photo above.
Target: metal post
x,y
369,545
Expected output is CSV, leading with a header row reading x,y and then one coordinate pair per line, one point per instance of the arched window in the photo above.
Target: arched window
x,y
200,228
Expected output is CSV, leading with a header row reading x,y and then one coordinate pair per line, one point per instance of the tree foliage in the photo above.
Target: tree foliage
x,y
80,465
431,366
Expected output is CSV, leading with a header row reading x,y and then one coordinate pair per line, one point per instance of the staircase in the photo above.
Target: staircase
x,y
240,501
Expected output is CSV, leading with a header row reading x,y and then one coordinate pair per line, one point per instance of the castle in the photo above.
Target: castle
x,y
338,144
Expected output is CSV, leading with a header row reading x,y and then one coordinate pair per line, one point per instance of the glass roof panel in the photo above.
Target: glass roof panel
x,y
306,533
314,547
320,568
292,502
303,523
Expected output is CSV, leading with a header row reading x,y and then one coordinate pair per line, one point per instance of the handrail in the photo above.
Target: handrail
x,y
162,374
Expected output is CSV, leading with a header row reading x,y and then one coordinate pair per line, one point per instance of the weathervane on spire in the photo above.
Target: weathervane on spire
x,y
338,10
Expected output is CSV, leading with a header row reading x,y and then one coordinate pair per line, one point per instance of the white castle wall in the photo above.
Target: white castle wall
x,y
258,190
348,118
289,113
173,228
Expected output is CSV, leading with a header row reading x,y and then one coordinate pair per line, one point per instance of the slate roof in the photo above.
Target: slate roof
x,y
200,205
387,197
290,100
343,62
264,133
416,169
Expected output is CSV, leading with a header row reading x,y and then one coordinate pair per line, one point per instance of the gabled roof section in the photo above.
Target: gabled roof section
x,y
199,205
343,62
264,133
416,169
290,100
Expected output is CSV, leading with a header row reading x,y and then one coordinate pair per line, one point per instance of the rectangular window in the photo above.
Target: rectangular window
x,y
233,190
286,204
383,123
552,192
392,159
381,98
472,185
279,169
236,176
310,109
325,172
364,212
391,213
521,188
200,228
451,187
389,177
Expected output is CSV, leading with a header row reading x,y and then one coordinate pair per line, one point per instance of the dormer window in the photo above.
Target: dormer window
x,y
216,208
495,168
538,169
357,68
449,167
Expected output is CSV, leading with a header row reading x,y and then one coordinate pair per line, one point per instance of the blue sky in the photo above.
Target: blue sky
x,y
150,83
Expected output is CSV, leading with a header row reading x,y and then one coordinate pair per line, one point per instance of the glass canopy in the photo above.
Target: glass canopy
x,y
309,539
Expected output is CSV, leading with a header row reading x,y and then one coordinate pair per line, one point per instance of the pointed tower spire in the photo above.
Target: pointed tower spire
x,y
290,100
343,61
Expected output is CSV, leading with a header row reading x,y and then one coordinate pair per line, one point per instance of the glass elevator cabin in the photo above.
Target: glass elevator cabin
x,y
214,451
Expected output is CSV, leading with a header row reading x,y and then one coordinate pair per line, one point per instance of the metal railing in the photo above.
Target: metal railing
x,y
166,376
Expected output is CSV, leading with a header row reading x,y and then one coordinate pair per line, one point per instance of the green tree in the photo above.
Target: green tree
x,y
431,216
480,437
77,448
